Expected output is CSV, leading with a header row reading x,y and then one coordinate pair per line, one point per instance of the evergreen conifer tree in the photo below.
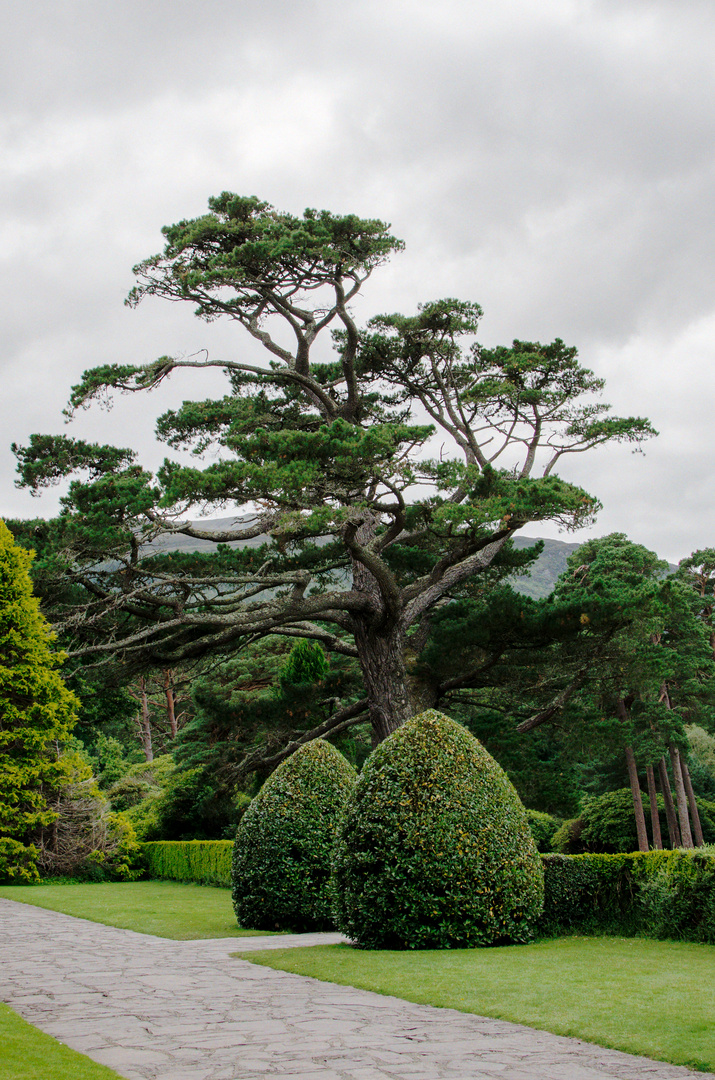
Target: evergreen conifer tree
x,y
37,713
348,531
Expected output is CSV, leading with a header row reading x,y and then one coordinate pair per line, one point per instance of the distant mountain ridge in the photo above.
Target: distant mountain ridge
x,y
537,584
545,572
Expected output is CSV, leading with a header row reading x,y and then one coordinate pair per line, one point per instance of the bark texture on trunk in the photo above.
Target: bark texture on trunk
x,y
170,703
641,829
681,798
692,802
380,640
382,661
654,818
421,691
145,721
673,830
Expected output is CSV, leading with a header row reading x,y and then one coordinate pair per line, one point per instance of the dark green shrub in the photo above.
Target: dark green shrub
x,y
678,897
607,825
435,849
567,838
543,826
281,859
706,809
128,791
654,894
589,894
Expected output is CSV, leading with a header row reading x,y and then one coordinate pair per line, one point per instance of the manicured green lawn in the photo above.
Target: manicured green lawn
x,y
655,998
29,1054
169,909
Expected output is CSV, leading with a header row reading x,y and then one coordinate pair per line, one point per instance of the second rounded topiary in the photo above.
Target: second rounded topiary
x,y
280,870
435,849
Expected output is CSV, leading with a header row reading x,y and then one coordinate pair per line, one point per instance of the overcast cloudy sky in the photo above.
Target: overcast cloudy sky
x,y
553,160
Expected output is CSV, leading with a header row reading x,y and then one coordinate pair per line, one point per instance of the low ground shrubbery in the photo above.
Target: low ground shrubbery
x,y
282,855
435,850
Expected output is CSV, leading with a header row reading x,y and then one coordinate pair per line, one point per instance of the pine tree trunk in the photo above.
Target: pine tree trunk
x,y
145,722
170,704
380,643
654,818
692,802
383,669
673,830
637,801
681,797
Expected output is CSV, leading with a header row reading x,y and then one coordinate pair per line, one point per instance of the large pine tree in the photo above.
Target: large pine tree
x,y
37,713
369,524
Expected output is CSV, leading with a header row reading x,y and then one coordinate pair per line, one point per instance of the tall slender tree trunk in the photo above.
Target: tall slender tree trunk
x,y
692,802
145,721
170,703
653,799
637,801
673,829
641,830
681,797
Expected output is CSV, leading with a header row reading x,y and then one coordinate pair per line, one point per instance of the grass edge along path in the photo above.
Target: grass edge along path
x,y
178,910
29,1053
654,998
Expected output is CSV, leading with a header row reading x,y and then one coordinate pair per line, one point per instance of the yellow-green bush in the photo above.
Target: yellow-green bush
x,y
435,850
205,861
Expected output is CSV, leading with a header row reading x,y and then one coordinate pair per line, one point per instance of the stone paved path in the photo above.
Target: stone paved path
x,y
154,1009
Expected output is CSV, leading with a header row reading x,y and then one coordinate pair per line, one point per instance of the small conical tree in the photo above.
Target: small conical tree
x,y
37,713
282,856
435,851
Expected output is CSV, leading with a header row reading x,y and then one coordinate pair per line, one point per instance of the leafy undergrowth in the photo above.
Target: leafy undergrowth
x,y
31,1055
168,909
655,998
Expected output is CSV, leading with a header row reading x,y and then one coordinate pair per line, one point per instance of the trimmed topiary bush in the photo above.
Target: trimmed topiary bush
x,y
281,859
435,851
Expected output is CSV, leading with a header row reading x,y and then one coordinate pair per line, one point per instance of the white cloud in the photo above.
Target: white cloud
x,y
553,161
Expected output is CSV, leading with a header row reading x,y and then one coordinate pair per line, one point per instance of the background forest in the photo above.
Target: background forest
x,y
374,566
626,640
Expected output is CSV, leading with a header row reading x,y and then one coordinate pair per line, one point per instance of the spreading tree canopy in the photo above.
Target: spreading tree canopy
x,y
383,478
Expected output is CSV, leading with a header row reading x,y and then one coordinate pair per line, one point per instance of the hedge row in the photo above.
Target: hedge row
x,y
205,861
660,894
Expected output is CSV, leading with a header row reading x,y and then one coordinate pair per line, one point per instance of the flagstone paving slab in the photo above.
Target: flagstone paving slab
x,y
154,1009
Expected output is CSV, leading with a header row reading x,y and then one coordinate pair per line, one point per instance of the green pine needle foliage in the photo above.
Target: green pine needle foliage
x,y
435,850
281,858
36,713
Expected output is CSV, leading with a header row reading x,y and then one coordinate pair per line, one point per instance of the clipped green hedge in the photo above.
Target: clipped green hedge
x,y
284,844
660,894
205,861
435,851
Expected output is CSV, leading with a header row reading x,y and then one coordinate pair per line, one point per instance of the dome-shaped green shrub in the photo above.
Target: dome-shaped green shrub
x,y
435,850
281,859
